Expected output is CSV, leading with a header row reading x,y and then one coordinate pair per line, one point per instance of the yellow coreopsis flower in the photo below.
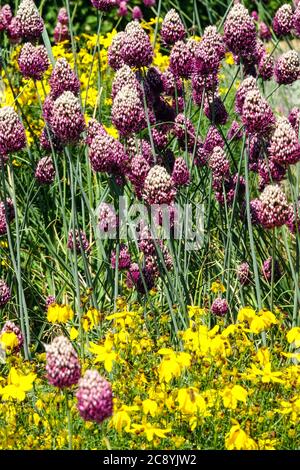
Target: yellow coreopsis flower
x,y
293,336
121,420
217,287
17,385
104,354
150,407
231,396
246,314
59,313
91,319
190,401
239,439
9,341
172,364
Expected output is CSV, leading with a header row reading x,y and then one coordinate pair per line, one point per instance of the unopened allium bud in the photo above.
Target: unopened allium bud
x,y
137,50
274,208
239,31
180,174
159,187
122,10
128,111
63,78
62,16
33,61
284,147
5,294
137,13
172,28
244,273
12,132
7,215
45,171
287,68
124,259
81,241
257,116
149,3
29,19
62,363
219,307
67,121
5,17
267,270
94,397
264,32
11,327
115,59
283,20
247,85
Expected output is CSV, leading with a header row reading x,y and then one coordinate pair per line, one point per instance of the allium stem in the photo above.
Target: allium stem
x,y
69,418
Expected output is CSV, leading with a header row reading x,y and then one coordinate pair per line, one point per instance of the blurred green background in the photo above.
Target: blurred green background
x,y
208,12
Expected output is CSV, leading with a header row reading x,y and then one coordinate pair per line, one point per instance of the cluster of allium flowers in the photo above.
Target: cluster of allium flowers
x,y
219,163
213,139
215,110
62,16
45,171
94,397
14,31
127,111
61,33
159,187
269,171
287,68
264,32
107,154
184,131
94,128
7,215
107,218
247,85
103,5
63,78
137,50
67,121
274,209
180,174
33,61
244,273
81,241
172,28
11,327
5,17
5,294
62,363
296,20
160,138
29,20
266,66
209,51
124,259
283,20
284,147
219,307
12,132
181,60
239,31
125,76
235,131
257,115
294,119
266,270
115,59
138,171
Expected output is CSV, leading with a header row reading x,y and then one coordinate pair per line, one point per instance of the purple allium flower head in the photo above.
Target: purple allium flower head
x,y
5,294
284,147
201,154
184,131
257,116
133,275
146,280
33,61
125,76
239,31
103,5
209,51
266,270
294,119
63,78
94,397
149,3
213,139
11,327
181,60
171,84
12,132
29,19
244,273
296,20
138,171
219,307
160,138
287,68
180,175
283,20
61,33
67,121
62,363
201,83
232,186
235,132
14,31
269,171
159,187
107,154
293,222
215,110
50,300
254,206
264,32
122,10
115,59
137,13
128,111
266,66
124,258
62,16
172,29
247,85
81,241
254,15
274,209
219,163
48,108
45,171
94,128
107,218
137,50
5,17
7,215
